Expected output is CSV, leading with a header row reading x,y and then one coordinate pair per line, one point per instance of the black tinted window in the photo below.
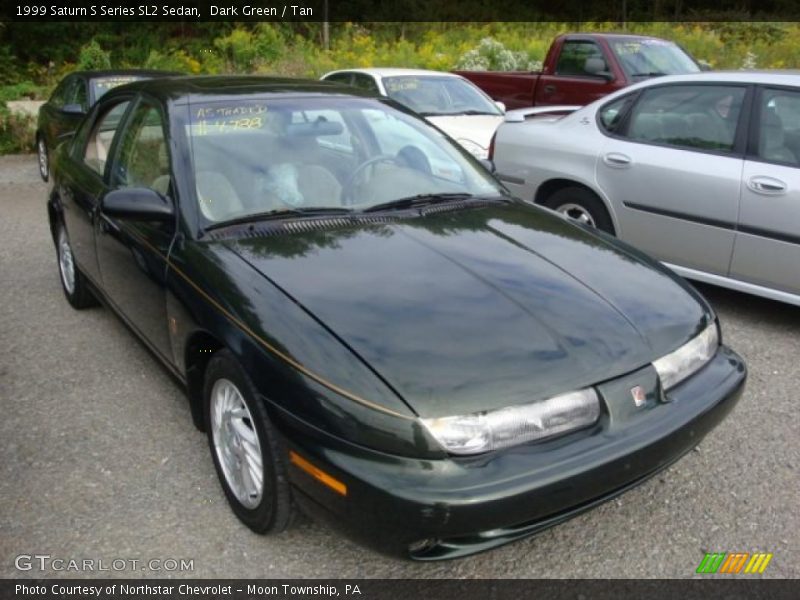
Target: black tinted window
x,y
689,116
344,78
581,59
365,82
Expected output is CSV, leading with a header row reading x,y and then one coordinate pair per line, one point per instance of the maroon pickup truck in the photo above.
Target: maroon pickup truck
x,y
582,67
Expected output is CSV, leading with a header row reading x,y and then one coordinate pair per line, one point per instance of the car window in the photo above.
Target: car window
x,y
648,57
703,117
582,59
438,95
78,94
59,97
98,144
143,160
779,127
611,114
365,82
344,78
103,85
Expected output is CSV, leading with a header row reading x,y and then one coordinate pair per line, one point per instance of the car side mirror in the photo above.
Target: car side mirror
x,y
487,164
138,204
501,106
73,109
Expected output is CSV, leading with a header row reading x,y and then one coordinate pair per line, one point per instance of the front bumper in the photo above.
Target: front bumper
x,y
458,506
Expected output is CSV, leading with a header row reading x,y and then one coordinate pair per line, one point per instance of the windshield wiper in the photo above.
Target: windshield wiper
x,y
281,213
418,200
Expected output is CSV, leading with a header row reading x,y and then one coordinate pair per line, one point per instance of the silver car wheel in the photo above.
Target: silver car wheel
x,y
66,264
44,166
577,212
236,443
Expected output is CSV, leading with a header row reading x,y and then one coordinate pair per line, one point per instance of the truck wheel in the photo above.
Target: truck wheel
x,y
250,457
582,205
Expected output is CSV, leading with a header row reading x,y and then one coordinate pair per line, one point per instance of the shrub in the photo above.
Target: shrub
x,y
92,56
17,131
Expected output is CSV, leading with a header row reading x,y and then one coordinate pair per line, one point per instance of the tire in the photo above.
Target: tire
x,y
44,158
583,206
75,286
228,389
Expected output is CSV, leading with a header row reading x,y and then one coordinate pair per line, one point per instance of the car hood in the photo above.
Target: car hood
x,y
480,308
477,129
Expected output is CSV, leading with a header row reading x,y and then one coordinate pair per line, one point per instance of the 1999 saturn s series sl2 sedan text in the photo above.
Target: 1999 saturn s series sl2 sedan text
x,y
380,335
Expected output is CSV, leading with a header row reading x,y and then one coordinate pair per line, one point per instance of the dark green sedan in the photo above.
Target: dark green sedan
x,y
368,326
60,116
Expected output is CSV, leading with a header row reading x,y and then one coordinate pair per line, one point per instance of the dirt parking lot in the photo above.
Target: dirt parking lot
x,y
99,458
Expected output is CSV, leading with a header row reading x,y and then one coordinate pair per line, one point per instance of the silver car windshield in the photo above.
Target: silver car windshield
x,y
260,155
642,58
432,95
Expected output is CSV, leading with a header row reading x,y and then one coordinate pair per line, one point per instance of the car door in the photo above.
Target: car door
x,y
767,247
131,253
673,173
82,183
582,75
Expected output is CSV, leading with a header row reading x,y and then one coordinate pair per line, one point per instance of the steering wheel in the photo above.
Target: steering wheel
x,y
349,187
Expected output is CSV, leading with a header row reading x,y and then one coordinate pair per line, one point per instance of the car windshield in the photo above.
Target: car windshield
x,y
433,95
642,58
102,85
258,156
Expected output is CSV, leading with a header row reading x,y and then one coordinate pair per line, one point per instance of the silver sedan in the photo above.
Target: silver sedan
x,y
701,171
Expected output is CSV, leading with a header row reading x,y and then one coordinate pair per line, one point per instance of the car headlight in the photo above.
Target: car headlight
x,y
689,358
475,149
490,430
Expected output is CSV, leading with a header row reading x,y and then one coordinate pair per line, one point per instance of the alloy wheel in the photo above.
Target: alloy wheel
x,y
236,443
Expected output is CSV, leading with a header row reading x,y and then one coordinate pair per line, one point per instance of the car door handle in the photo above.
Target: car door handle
x,y
767,186
617,160
549,89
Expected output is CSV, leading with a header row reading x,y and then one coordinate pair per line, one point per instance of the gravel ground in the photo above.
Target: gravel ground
x,y
99,458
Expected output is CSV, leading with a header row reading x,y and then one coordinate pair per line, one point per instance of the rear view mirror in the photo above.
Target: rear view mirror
x,y
73,109
501,106
487,164
138,204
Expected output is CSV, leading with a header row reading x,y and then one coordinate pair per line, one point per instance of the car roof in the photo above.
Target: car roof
x,y
774,77
124,72
212,87
614,35
394,71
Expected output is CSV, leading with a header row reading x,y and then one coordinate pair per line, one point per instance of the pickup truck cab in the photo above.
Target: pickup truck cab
x,y
581,67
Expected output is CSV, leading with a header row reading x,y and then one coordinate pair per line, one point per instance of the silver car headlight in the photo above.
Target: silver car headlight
x,y
689,358
480,432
